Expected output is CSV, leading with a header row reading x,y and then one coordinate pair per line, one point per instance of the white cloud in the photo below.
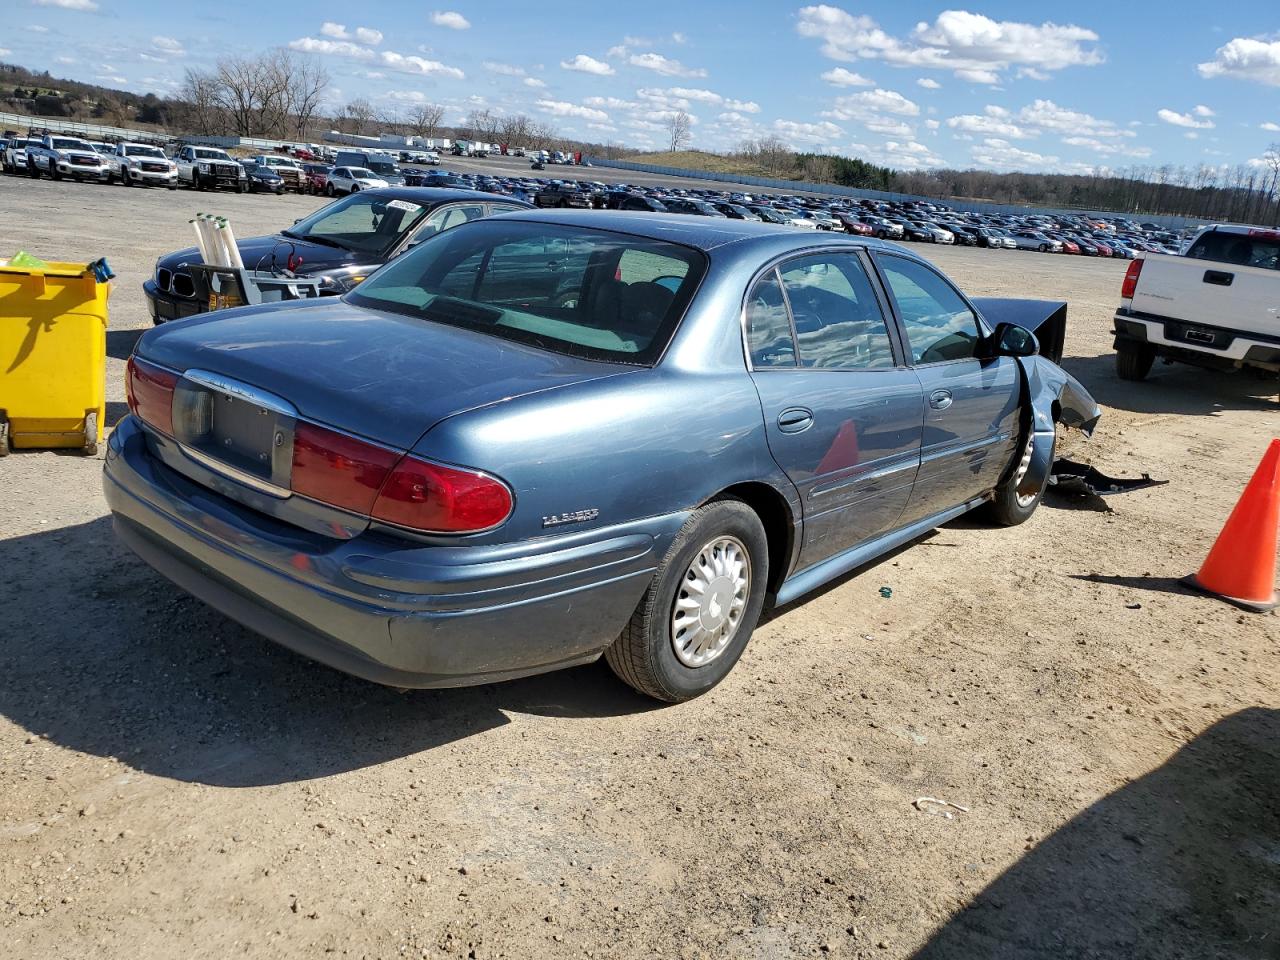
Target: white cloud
x,y
928,83
663,65
336,48
1049,116
451,19
5,51
888,127
1192,135
167,46
1107,149
57,59
840,77
746,106
797,132
561,108
993,123
86,5
1272,127
998,154
977,48
503,69
420,65
335,30
37,28
369,35
534,82
584,64
901,155
702,96
932,124
887,101
1245,58
613,103
111,78
1185,119
1203,111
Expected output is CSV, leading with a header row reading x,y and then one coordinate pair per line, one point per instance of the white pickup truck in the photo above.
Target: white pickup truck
x,y
207,168
142,164
1216,306
62,156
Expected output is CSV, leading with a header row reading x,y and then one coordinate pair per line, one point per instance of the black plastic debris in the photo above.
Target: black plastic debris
x,y
1071,477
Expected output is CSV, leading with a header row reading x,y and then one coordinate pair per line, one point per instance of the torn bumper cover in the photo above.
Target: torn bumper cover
x,y
1055,397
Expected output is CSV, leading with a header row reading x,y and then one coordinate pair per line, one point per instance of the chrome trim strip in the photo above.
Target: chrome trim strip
x,y
937,453
864,477
235,388
232,473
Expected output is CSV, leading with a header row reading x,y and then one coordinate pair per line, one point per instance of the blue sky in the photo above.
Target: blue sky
x,y
1005,86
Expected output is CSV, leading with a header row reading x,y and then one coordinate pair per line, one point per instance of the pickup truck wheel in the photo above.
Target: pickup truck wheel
x,y
32,170
54,172
1134,360
126,179
1008,506
701,606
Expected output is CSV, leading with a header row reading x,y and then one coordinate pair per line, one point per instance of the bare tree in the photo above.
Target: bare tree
x,y
199,94
678,126
359,114
308,82
424,118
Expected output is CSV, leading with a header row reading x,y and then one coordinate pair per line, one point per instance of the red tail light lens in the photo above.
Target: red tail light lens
x,y
1130,280
353,474
438,499
337,469
150,392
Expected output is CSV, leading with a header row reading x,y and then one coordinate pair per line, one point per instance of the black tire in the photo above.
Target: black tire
x,y
54,172
328,190
1134,360
126,179
195,181
1043,248
32,170
90,447
355,188
242,188
644,654
1006,508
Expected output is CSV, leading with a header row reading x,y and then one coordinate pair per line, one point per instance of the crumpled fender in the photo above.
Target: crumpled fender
x,y
1050,389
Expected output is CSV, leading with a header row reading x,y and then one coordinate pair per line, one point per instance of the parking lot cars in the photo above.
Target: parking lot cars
x,y
1034,240
343,180
407,483
341,243
62,156
290,171
382,164
208,168
317,175
141,164
263,179
13,156
1213,307
562,193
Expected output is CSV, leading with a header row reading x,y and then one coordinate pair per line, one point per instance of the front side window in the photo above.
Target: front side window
x,y
938,323
446,218
570,290
838,321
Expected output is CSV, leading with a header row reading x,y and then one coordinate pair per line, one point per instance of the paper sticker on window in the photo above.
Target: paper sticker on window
x,y
404,205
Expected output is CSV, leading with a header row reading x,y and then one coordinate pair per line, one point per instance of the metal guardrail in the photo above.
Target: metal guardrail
x,y
831,189
90,131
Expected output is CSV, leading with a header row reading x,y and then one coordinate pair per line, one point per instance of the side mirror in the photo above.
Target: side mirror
x,y
1011,340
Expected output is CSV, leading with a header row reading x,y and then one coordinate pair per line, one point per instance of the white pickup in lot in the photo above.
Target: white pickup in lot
x,y
1216,306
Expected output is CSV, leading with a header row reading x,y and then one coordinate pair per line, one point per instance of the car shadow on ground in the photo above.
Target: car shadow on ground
x,y
1173,388
104,656
120,343
1183,862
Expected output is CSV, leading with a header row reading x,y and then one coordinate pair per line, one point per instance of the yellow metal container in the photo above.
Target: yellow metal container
x,y
53,356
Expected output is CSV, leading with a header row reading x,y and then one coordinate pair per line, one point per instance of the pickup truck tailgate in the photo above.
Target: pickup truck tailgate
x,y
1240,298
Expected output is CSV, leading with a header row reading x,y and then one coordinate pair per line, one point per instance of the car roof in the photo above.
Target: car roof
x,y
436,195
701,233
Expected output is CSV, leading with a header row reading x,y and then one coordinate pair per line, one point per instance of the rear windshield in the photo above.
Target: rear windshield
x,y
1245,250
571,290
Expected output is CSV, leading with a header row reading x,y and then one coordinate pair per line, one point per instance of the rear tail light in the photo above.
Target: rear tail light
x,y
439,499
150,392
404,490
1131,280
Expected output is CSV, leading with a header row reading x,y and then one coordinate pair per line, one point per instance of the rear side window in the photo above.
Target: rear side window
x,y
838,321
768,325
572,290
1256,249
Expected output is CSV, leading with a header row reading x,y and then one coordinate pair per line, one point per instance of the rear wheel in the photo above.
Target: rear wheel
x,y
328,190
701,607
1133,360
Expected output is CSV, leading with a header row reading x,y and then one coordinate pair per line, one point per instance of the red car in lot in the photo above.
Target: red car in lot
x,y
317,177
855,226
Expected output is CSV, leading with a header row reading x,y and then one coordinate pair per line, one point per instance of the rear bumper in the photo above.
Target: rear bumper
x,y
1201,344
394,612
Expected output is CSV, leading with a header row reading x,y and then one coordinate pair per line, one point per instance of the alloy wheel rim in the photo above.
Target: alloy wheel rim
x,y
710,601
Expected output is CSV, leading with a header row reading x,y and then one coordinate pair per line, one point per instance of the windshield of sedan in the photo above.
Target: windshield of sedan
x,y
571,290
359,222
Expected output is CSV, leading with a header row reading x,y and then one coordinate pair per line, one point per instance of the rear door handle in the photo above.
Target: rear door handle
x,y
1219,277
795,420
940,399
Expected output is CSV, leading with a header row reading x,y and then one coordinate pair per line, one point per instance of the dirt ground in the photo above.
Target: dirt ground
x,y
172,785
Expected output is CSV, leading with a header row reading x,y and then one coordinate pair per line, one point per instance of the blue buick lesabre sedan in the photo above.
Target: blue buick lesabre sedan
x,y
547,436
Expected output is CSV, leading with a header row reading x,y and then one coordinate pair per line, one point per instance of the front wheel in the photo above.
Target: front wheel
x,y
1134,360
328,190
701,607
1013,503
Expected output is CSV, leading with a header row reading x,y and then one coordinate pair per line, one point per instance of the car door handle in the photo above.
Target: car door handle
x,y
795,420
940,399
1219,278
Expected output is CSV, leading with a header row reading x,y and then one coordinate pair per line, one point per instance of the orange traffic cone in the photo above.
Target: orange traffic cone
x,y
1241,567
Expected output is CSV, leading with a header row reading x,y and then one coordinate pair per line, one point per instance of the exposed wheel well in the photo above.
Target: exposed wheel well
x,y
775,515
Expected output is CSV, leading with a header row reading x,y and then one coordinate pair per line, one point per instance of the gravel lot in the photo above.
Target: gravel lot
x,y
174,786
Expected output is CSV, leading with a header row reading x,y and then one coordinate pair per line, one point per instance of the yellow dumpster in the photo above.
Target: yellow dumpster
x,y
53,356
